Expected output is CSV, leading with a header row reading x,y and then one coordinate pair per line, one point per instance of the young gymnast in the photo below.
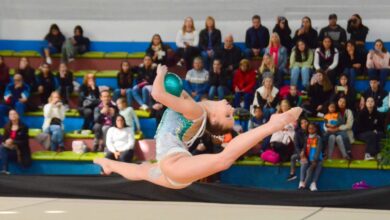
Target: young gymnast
x,y
183,122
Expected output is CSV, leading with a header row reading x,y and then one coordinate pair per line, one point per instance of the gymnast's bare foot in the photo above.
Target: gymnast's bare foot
x,y
105,164
278,121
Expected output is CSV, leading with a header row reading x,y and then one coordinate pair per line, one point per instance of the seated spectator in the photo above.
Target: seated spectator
x,y
358,31
346,119
88,99
311,158
300,136
28,73
378,62
46,83
209,41
103,116
16,96
157,50
146,75
293,97
15,144
326,58
375,91
120,141
268,69
307,34
218,81
54,39
335,32
319,92
129,114
301,63
256,38
78,44
126,81
230,56
187,40
343,89
284,32
267,97
257,118
244,82
196,83
4,75
279,55
65,82
53,124
353,62
370,128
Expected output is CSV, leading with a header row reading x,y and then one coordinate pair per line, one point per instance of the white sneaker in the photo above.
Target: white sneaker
x,y
144,107
48,60
368,156
313,186
180,63
301,185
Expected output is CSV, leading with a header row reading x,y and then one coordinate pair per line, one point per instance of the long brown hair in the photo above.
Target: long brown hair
x,y
85,80
326,84
209,18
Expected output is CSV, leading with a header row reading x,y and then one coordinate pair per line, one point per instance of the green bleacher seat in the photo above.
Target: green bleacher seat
x,y
40,113
33,132
79,136
56,55
335,163
117,55
142,113
27,53
90,156
364,164
82,73
92,54
67,156
43,155
107,73
6,53
136,55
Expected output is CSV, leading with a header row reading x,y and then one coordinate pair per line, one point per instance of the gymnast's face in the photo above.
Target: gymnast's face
x,y
223,114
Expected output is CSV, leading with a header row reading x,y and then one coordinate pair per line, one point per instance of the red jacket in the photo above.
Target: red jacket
x,y
245,81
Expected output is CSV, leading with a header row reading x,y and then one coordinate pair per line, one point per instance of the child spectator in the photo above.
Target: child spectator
x,y
243,84
267,97
311,159
54,114
307,34
146,75
54,40
358,31
375,91
65,81
284,32
378,62
334,31
28,73
230,55
344,89
293,97
209,41
196,83
4,76
353,62
46,83
268,69
326,58
129,115
187,40
319,92
89,99
125,79
120,141
256,118
256,38
279,55
218,81
157,50
301,63
78,44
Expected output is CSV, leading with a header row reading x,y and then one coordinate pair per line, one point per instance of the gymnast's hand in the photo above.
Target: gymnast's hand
x,y
162,70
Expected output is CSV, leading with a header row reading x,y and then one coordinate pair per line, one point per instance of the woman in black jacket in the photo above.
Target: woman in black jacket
x,y
218,81
209,41
353,62
65,81
78,44
15,145
284,33
157,50
307,34
54,40
28,73
320,90
89,99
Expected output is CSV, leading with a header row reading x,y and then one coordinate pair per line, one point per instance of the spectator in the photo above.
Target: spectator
x,y
15,145
126,81
209,41
128,113
268,69
301,63
78,44
267,97
4,75
335,32
319,92
378,62
89,99
157,50
65,81
257,118
230,56
358,31
346,120
16,96
256,38
353,62
343,89
146,75
54,40
311,159
103,116
370,128
284,32
375,91
300,136
218,81
196,83
293,97
28,73
326,58
279,55
187,40
46,83
243,84
120,141
307,34
158,110
54,114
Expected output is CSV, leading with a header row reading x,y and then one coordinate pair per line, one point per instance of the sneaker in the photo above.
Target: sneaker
x,y
301,185
4,172
368,156
144,107
313,187
48,60
291,177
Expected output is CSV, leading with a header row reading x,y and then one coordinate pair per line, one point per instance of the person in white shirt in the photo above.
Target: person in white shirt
x,y
54,115
120,141
187,40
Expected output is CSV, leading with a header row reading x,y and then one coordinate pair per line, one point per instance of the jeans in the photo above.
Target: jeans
x,y
206,59
309,172
188,54
65,92
351,73
383,73
87,114
247,99
56,137
334,138
293,162
305,75
6,155
372,141
52,50
146,90
267,112
69,51
199,89
129,95
100,132
217,90
126,156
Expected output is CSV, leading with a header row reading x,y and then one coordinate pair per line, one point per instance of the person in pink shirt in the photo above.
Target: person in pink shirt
x,y
378,62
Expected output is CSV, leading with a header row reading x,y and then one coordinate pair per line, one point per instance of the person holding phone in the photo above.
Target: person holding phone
x,y
307,34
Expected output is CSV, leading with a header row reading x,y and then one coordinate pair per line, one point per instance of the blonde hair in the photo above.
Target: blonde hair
x,y
184,25
263,66
246,63
85,80
270,39
284,101
52,94
209,18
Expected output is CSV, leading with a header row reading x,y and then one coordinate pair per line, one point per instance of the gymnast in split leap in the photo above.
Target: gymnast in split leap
x,y
184,121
